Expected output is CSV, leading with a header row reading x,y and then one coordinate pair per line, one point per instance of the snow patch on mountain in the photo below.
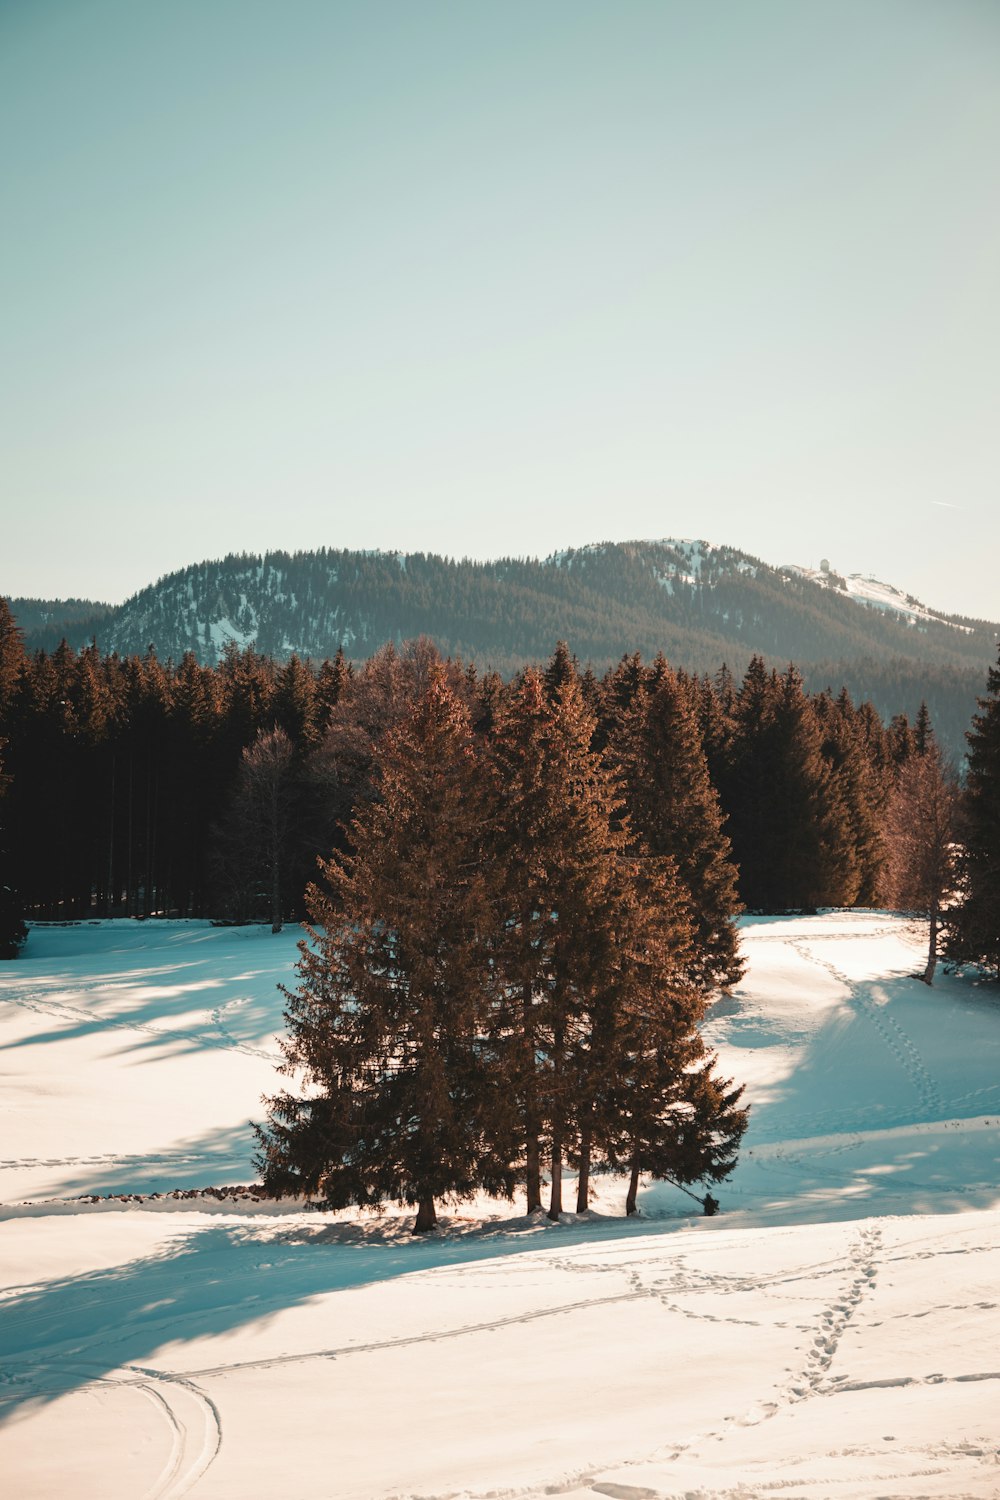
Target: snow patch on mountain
x,y
874,594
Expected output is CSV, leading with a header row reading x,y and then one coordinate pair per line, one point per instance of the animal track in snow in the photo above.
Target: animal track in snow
x,y
895,1038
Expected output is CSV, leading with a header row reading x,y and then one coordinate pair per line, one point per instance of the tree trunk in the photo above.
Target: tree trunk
x,y
426,1216
275,859
275,896
583,1184
555,1194
631,1206
129,911
928,975
533,1156
110,903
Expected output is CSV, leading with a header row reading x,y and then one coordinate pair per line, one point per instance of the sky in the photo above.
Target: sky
x,y
498,279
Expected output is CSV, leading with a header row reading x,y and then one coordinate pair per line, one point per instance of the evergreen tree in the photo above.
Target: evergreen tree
x,y
974,924
659,1104
13,931
296,705
12,663
331,684
919,835
391,1018
789,827
254,841
557,848
561,670
852,748
594,935
674,810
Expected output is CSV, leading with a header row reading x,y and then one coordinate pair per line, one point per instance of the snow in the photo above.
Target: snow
x,y
834,1330
871,592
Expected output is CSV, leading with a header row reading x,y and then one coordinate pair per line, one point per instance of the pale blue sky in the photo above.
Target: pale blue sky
x,y
484,279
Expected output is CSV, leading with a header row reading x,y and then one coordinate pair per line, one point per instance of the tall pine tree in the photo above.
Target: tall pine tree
x,y
674,809
389,1025
974,924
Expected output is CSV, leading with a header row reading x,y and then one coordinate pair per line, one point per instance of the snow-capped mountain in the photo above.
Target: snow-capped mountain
x,y
876,595
677,595
700,604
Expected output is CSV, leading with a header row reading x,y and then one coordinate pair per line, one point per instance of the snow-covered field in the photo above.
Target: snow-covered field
x,y
835,1331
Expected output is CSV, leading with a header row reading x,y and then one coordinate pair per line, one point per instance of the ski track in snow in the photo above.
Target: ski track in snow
x,y
194,1434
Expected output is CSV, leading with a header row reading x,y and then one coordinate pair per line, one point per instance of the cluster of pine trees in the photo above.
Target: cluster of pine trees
x,y
502,968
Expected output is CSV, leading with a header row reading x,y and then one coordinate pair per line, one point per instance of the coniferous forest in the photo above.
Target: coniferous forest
x,y
520,895
139,787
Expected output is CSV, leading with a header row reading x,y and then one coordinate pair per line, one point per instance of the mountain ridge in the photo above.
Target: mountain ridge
x,y
700,604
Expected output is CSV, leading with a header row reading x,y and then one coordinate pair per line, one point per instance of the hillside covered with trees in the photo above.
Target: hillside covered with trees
x,y
698,605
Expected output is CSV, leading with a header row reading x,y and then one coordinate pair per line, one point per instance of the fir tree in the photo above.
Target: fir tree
x,y
12,662
852,747
788,825
253,847
919,834
555,838
674,810
974,924
390,1021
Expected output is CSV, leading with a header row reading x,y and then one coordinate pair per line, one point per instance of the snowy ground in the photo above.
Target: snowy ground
x,y
835,1331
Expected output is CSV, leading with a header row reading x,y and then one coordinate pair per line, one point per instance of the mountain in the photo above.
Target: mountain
x,y
700,604
45,622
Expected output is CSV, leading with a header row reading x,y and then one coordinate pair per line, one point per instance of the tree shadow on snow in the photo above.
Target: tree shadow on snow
x,y
216,1279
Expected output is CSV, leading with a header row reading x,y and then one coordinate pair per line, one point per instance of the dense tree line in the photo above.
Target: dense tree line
x,y
138,786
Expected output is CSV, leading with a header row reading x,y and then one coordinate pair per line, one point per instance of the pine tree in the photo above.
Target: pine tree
x,y
919,834
788,824
296,705
674,810
553,825
391,1019
253,846
12,661
974,924
331,684
853,747
597,930
13,932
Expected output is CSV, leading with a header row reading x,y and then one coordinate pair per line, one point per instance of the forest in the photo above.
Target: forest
x,y
141,787
519,895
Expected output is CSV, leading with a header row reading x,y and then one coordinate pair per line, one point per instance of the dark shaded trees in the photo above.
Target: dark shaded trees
x,y
12,662
674,810
974,923
788,824
254,846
